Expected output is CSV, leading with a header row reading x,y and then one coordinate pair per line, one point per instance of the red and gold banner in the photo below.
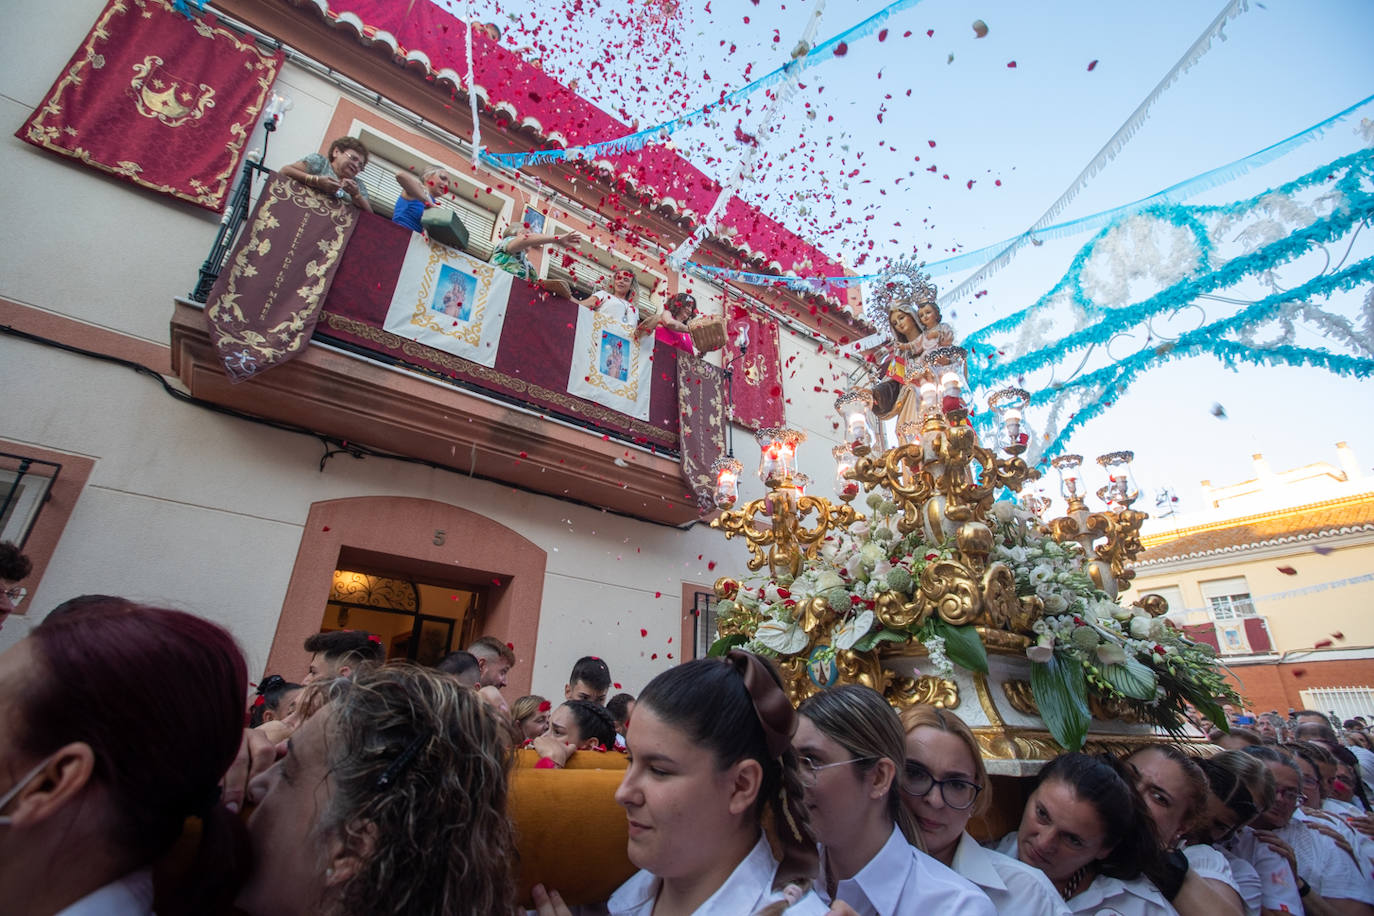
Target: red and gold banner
x,y
159,100
756,382
266,301
701,425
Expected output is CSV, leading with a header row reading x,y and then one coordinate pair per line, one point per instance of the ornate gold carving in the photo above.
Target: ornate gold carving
x,y
1021,698
787,539
950,591
1003,642
1154,605
895,612
927,689
980,686
1003,743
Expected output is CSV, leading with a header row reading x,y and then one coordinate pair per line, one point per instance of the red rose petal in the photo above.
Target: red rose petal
x,y
1092,66
643,632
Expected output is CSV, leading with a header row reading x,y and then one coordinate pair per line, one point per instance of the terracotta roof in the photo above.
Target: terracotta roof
x,y
429,39
1292,525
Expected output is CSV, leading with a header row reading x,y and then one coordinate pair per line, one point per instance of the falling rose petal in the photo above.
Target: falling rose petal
x,y
1322,644
643,632
711,565
1338,635
1092,66
1299,672
980,28
617,686
658,594
882,36
841,49
1011,65
1287,570
325,528
930,33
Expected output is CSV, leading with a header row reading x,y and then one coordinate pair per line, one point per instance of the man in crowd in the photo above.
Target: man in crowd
x,y
590,680
340,653
494,661
463,666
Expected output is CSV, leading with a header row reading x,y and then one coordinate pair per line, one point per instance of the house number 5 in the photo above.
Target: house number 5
x,y
439,535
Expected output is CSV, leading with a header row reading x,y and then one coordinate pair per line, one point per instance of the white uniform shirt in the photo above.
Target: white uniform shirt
x,y
1206,862
903,881
1366,759
1013,886
1362,845
131,895
1327,867
1110,896
623,310
1247,882
748,890
1278,890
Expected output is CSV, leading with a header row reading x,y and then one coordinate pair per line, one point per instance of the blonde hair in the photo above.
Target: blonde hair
x,y
864,724
422,762
913,717
525,708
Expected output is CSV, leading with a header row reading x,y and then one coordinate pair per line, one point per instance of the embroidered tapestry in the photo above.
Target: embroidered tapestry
x,y
159,100
267,299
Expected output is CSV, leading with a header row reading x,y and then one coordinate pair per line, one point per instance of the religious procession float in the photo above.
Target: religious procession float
x,y
938,576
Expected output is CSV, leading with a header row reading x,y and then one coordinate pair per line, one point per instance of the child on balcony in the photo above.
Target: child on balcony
x,y
510,256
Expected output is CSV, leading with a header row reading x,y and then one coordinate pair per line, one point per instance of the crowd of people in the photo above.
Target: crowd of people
x,y
134,781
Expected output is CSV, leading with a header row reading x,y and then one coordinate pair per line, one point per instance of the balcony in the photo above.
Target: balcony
x,y
1231,637
513,422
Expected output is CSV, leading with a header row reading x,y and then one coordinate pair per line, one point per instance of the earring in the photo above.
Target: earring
x,y
329,872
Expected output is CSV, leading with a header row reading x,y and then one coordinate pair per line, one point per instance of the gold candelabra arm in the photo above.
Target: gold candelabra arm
x,y
1122,545
898,470
742,522
1013,473
828,515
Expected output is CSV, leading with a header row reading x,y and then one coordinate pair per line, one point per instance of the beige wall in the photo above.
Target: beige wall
x,y
1297,621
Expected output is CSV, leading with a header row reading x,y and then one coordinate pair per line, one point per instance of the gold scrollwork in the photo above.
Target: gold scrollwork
x,y
926,689
1001,606
1021,698
896,613
951,592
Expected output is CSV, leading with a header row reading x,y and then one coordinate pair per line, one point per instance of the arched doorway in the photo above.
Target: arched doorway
x,y
420,541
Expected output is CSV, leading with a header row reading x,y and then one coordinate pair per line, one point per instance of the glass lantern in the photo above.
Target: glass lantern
x,y
1120,490
909,433
778,454
1009,404
727,472
1070,468
799,484
947,365
853,407
845,488
1036,501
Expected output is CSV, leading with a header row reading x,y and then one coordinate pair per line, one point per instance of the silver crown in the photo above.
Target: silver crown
x,y
902,285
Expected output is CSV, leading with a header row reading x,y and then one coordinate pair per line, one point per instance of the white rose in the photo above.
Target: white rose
x,y
828,579
1055,604
1140,627
1003,511
1110,654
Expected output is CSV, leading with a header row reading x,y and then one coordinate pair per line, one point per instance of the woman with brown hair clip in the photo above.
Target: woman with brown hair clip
x,y
712,767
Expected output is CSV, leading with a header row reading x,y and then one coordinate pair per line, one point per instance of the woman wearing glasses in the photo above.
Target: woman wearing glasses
x,y
944,784
849,744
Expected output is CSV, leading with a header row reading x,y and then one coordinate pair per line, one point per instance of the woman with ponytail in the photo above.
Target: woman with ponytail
x,y
711,768
851,749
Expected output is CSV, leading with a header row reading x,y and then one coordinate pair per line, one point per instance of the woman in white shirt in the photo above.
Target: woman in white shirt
x,y
1174,790
1086,828
944,784
850,746
710,748
1238,788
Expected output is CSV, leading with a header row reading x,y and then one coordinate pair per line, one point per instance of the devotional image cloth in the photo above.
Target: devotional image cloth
x,y
449,301
267,298
756,384
159,99
610,366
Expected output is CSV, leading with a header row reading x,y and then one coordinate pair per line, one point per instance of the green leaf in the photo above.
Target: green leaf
x,y
963,645
1061,692
872,639
1132,677
725,644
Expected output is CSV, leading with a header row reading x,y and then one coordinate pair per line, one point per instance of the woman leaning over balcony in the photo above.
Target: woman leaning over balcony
x,y
944,784
336,175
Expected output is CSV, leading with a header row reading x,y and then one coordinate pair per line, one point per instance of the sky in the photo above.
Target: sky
x,y
847,161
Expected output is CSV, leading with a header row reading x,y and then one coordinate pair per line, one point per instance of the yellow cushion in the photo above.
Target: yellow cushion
x,y
527,757
570,833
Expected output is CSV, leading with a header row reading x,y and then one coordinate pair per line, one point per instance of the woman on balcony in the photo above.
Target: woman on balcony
x,y
621,298
337,175
853,760
418,194
944,785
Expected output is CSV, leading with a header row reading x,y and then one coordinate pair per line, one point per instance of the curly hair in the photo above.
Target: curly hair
x,y
423,762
